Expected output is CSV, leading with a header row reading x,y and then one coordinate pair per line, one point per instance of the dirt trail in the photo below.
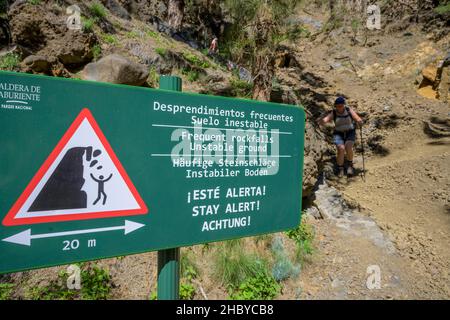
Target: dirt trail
x,y
407,194
407,188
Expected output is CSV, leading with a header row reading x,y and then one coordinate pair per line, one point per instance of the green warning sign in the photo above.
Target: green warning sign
x,y
92,170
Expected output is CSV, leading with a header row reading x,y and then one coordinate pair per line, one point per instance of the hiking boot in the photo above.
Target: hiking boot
x,y
350,171
341,172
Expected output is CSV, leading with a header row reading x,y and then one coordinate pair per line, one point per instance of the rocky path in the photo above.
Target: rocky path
x,y
408,195
398,219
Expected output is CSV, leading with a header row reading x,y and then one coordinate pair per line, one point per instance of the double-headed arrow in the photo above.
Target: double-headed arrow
x,y
25,237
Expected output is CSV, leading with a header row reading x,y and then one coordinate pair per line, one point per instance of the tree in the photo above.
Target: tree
x,y
255,35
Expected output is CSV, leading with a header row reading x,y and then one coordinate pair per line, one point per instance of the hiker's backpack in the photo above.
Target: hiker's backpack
x,y
347,108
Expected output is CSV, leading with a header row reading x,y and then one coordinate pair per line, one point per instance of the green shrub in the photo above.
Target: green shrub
x,y
195,60
96,51
153,77
6,290
95,285
161,51
356,24
191,75
109,38
283,267
241,88
443,9
296,32
34,2
259,287
9,62
188,268
187,291
53,291
303,236
152,34
88,24
132,34
97,10
232,264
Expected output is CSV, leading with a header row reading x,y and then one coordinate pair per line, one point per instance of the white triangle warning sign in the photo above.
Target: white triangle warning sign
x,y
81,179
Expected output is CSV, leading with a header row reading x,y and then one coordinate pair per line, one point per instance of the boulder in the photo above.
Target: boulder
x,y
218,88
16,49
32,27
38,64
74,49
430,73
116,8
116,69
43,31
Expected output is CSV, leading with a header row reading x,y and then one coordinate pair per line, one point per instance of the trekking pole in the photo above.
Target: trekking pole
x,y
362,146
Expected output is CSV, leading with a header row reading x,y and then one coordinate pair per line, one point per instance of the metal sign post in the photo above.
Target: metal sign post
x,y
169,259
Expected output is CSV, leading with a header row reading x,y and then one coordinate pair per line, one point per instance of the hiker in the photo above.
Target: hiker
x,y
214,47
344,133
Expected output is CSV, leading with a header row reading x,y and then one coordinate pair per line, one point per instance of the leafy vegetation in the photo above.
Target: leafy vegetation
x,y
189,271
95,285
241,88
109,38
9,62
97,10
161,51
195,60
233,265
88,24
303,236
3,8
261,286
443,8
283,268
153,77
6,290
191,75
152,34
256,32
296,32
153,295
96,51
132,34
187,291
34,2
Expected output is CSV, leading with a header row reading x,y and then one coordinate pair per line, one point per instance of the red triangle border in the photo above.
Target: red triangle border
x,y
10,220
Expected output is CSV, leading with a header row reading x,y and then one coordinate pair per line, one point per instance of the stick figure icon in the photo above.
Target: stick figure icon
x,y
101,187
